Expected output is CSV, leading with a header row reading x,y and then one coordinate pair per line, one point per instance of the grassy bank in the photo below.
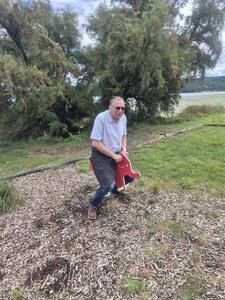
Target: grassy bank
x,y
194,161
18,156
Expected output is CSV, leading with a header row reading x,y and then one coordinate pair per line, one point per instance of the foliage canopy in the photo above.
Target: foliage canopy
x,y
143,50
38,51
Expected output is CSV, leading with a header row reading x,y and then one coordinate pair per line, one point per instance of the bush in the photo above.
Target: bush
x,y
9,197
58,129
201,110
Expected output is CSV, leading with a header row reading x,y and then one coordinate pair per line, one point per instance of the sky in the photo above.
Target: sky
x,y
84,7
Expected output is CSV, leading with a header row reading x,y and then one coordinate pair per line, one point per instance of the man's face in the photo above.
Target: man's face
x,y
116,109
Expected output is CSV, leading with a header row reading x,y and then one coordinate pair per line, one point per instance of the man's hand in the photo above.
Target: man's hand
x,y
125,152
117,157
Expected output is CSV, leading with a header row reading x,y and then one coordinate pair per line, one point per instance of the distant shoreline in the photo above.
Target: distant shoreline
x,y
205,93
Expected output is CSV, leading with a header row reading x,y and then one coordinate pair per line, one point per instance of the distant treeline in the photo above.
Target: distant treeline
x,y
206,84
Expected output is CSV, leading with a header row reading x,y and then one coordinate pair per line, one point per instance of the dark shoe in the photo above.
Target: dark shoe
x,y
123,193
109,195
92,213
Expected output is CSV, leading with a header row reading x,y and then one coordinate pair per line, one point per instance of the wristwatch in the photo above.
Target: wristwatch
x,y
123,149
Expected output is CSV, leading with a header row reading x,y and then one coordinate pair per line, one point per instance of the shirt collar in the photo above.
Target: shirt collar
x,y
110,119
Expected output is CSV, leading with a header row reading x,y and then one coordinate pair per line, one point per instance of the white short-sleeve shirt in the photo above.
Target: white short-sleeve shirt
x,y
108,131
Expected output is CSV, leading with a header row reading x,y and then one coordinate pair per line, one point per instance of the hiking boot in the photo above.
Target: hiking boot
x,y
92,213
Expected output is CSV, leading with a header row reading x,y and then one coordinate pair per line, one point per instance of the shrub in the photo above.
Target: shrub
x,y
155,187
58,129
9,197
201,110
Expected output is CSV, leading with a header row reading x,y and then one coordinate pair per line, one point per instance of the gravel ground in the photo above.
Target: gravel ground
x,y
174,243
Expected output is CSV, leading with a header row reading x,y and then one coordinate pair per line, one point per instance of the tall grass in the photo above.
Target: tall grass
x,y
201,110
9,197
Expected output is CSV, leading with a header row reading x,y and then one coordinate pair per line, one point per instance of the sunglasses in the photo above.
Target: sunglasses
x,y
118,107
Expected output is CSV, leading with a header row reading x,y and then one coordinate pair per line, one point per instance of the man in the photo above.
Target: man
x,y
108,141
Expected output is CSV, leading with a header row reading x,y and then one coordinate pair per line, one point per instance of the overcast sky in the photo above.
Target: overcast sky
x,y
84,7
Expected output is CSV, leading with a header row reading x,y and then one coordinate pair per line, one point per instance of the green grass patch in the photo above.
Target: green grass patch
x,y
23,155
83,166
192,161
134,285
193,288
17,294
9,197
175,228
205,114
195,115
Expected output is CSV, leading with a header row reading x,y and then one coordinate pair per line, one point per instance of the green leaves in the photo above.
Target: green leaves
x,y
144,52
38,52
203,30
139,55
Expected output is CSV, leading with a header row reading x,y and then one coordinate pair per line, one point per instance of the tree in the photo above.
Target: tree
x,y
202,32
138,56
38,52
143,52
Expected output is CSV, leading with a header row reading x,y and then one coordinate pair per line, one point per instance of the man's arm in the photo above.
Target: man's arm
x,y
102,148
124,145
124,142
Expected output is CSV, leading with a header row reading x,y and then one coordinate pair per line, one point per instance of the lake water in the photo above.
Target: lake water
x,y
202,98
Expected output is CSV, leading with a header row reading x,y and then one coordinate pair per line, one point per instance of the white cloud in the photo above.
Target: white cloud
x,y
83,8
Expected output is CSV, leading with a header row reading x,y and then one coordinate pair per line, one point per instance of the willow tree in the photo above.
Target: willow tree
x,y
143,52
201,35
37,53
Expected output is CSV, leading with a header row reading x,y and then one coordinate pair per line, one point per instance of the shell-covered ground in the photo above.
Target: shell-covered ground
x,y
170,246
